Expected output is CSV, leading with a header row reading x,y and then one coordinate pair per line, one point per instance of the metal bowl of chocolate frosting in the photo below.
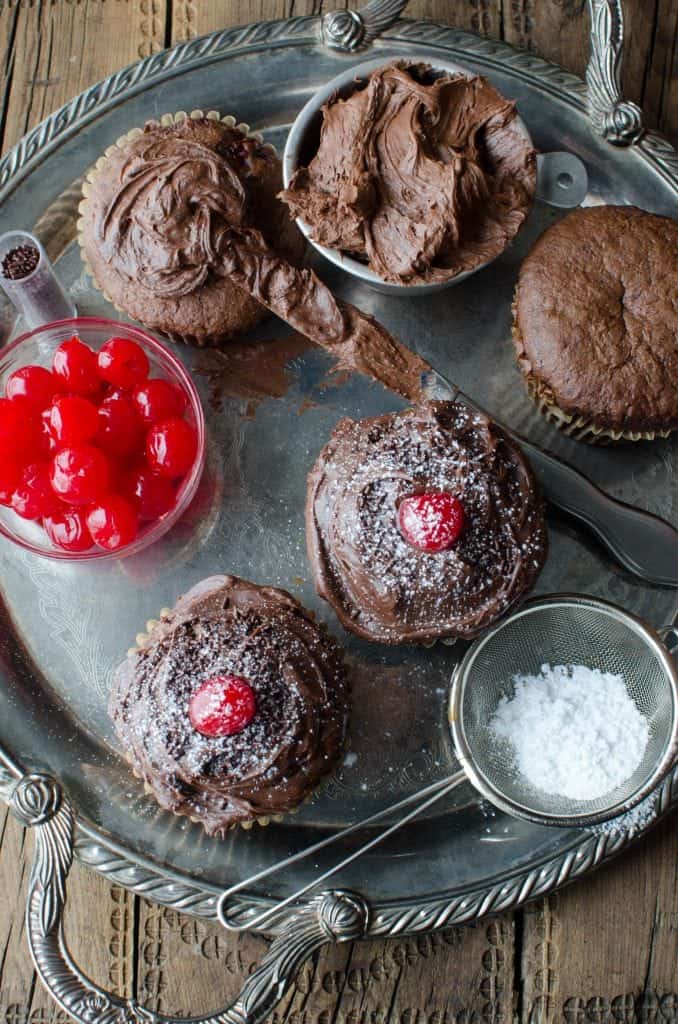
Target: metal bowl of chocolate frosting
x,y
409,176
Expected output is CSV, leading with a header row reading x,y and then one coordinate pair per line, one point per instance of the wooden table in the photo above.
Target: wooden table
x,y
604,950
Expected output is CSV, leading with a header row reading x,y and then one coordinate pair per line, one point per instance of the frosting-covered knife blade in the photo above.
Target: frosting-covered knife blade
x,y
642,543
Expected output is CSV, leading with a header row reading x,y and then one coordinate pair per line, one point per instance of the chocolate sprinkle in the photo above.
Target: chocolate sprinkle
x,y
20,262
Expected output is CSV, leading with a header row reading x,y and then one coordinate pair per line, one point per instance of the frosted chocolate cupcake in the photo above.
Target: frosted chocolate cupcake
x,y
234,707
153,211
596,324
423,524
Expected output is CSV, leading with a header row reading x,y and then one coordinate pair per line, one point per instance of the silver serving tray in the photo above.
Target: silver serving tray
x,y
65,627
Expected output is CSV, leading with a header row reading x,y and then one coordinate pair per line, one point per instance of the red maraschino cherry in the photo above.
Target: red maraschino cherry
x,y
75,367
33,385
67,529
120,433
431,522
171,447
80,474
19,432
113,522
153,495
122,363
10,471
157,400
222,706
71,419
33,496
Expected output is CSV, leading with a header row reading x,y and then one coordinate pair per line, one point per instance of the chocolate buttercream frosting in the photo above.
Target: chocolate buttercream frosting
x,y
424,175
382,587
148,215
226,625
175,217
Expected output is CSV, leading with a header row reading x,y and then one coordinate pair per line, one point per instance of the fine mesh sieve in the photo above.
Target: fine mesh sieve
x,y
569,630
558,630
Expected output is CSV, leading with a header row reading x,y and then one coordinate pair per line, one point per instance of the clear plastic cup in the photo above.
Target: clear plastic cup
x,y
38,297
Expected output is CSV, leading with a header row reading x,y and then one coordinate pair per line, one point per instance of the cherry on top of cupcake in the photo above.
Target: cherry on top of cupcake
x,y
95,448
431,522
222,706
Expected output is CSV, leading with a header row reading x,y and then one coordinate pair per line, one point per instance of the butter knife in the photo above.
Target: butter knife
x,y
642,543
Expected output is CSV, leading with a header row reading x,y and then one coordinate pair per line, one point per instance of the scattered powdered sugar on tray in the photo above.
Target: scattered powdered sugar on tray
x,y
575,731
633,821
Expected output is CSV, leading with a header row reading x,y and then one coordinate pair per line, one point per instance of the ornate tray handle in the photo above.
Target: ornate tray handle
x,y
618,120
353,30
39,803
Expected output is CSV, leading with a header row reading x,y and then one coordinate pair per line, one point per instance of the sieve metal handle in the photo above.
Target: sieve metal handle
x,y
39,802
424,798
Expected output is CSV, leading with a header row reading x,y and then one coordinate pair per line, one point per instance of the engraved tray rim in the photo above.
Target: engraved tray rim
x,y
110,858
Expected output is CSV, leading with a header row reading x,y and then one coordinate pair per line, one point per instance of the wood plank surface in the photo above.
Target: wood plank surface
x,y
56,49
604,950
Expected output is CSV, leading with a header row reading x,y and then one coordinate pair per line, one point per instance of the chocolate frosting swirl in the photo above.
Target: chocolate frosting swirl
x,y
226,625
424,175
164,223
380,586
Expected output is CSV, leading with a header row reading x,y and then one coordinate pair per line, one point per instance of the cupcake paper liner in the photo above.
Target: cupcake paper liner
x,y
94,171
578,427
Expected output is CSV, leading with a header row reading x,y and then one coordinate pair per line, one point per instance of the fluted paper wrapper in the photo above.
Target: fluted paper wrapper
x,y
580,428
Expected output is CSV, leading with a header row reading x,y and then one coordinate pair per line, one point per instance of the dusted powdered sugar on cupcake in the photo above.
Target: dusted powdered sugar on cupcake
x,y
226,627
574,731
379,583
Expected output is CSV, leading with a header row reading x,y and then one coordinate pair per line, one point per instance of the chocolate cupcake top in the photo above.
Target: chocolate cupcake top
x,y
226,626
156,210
425,175
596,318
381,585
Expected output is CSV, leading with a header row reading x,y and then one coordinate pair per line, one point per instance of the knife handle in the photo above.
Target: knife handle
x,y
643,543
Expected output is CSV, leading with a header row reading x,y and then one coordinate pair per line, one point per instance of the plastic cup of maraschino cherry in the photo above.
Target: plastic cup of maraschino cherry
x,y
102,439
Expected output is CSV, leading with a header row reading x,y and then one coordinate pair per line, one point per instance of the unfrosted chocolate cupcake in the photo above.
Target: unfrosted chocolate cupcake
x,y
234,706
596,324
154,208
423,524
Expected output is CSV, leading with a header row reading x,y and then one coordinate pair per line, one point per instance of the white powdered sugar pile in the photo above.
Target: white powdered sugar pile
x,y
575,732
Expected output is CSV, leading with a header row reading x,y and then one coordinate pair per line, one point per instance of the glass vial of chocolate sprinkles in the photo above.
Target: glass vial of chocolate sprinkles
x,y
29,282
